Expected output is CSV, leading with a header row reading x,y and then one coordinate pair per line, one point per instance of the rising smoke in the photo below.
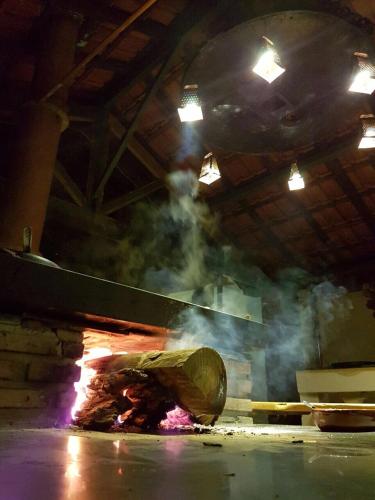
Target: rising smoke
x,y
176,247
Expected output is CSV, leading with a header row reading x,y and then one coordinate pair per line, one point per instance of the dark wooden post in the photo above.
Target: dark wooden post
x,y
38,130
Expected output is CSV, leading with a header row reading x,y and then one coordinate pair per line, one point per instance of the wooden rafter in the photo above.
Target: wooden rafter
x,y
153,88
281,174
108,40
289,257
99,152
297,214
69,185
194,16
132,127
309,218
132,197
351,192
110,14
140,150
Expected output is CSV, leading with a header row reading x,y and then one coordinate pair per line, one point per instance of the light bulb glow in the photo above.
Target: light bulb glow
x,y
368,136
295,181
267,67
363,83
190,109
367,143
210,170
190,113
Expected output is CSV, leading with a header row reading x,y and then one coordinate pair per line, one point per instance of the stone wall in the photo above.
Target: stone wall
x,y
37,371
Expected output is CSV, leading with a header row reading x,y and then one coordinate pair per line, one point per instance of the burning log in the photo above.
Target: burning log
x,y
138,389
131,399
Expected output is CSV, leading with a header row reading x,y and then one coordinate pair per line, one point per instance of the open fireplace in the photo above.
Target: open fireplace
x,y
62,332
120,389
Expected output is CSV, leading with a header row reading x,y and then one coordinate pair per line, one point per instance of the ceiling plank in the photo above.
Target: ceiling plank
x,y
342,178
295,215
115,16
281,174
273,240
309,218
80,67
132,197
195,15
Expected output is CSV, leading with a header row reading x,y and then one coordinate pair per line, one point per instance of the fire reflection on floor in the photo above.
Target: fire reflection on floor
x,y
257,462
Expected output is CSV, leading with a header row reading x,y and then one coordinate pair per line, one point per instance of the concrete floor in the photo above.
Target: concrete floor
x,y
254,462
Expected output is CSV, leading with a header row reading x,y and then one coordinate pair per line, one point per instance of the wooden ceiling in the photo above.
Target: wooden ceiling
x,y
125,135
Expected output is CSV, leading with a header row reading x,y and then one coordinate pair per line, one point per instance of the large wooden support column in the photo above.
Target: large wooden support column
x,y
38,129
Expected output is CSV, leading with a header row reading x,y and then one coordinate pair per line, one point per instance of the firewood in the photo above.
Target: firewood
x,y
196,378
131,399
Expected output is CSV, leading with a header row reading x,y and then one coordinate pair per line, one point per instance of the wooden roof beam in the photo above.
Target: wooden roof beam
x,y
132,197
141,151
69,185
351,192
281,174
297,214
115,16
309,218
193,17
133,125
288,257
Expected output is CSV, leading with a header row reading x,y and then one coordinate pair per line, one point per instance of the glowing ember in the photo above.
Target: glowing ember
x,y
86,376
176,418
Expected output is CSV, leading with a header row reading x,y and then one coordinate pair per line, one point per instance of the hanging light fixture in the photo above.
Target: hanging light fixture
x,y
295,179
268,66
364,80
210,170
190,109
368,137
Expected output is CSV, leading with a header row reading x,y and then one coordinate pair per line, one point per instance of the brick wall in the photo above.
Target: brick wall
x,y
37,371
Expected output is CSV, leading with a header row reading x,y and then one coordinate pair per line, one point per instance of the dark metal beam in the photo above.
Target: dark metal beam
x,y
351,192
32,287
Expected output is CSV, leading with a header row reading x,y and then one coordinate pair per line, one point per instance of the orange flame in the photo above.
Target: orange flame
x,y
86,376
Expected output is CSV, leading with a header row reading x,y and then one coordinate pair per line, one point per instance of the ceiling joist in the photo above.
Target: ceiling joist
x,y
351,192
69,185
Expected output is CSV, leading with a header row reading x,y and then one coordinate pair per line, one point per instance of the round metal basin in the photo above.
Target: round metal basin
x,y
306,104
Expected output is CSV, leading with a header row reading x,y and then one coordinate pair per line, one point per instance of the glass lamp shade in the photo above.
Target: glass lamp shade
x,y
210,170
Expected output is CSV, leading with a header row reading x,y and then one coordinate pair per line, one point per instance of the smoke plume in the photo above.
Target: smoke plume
x,y
176,248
